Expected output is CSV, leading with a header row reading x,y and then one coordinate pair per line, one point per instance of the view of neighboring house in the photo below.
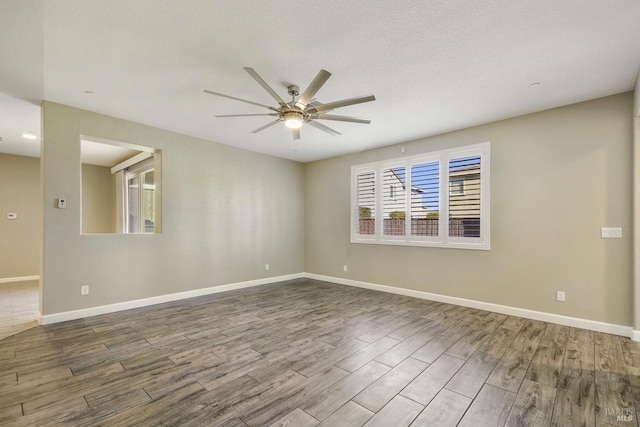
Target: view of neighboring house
x,y
394,203
394,195
464,192
464,199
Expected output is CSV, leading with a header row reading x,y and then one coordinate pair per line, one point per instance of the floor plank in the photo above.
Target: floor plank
x,y
349,415
436,347
309,388
533,405
546,364
471,377
445,410
427,385
296,418
490,408
398,413
367,354
407,347
575,402
378,394
613,398
511,370
337,395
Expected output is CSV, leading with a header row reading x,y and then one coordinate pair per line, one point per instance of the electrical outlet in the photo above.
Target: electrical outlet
x,y
560,296
266,267
344,267
62,203
84,290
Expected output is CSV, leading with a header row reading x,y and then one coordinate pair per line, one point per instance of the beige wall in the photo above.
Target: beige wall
x,y
636,96
98,199
20,240
226,212
545,230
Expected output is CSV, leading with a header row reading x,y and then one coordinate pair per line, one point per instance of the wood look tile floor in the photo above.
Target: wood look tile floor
x,y
19,305
310,353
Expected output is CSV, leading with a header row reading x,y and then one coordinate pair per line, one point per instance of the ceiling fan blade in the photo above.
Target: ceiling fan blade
x,y
342,103
265,126
313,88
339,118
266,87
239,99
246,115
295,133
323,128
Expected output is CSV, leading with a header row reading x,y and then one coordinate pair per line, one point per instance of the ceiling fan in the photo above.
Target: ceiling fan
x,y
302,110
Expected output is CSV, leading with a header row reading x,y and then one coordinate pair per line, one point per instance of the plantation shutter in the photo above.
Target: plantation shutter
x,y
394,201
425,199
366,200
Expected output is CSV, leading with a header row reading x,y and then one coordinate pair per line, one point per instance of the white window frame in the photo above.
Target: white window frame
x,y
443,239
137,170
355,172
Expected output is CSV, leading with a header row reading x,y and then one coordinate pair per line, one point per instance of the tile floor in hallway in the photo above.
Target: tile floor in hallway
x,y
19,304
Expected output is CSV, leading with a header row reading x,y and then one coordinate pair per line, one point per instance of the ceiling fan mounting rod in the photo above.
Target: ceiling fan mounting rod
x,y
294,91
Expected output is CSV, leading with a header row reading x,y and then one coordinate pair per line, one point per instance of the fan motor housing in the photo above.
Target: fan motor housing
x,y
293,115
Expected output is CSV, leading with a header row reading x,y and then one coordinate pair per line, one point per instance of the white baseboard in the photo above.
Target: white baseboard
x,y
48,319
609,328
18,279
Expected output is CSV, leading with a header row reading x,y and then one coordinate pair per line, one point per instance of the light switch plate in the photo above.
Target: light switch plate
x,y
611,232
12,215
62,203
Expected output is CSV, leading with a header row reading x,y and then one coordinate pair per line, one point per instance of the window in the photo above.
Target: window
x,y
139,203
436,199
456,186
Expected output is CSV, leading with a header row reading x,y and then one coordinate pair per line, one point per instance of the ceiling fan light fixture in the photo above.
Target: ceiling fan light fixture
x,y
293,123
293,119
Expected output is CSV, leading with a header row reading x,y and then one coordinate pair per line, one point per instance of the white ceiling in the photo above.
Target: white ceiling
x,y
433,66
